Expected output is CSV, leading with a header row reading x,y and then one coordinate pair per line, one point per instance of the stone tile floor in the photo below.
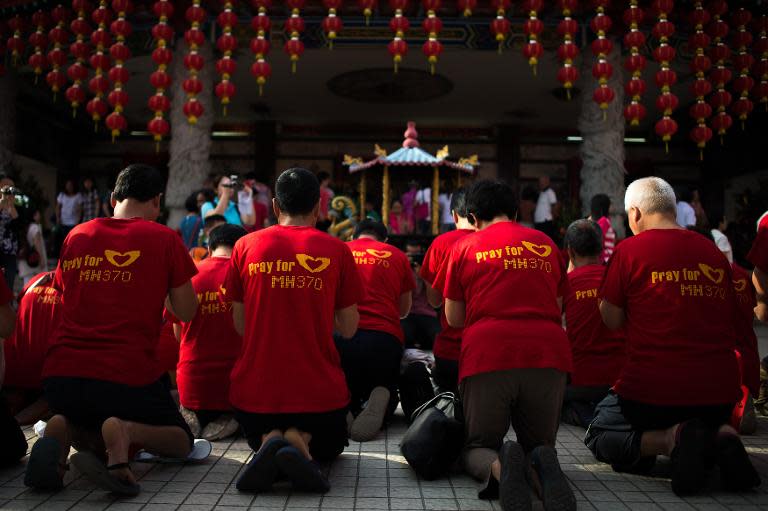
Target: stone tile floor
x,y
374,476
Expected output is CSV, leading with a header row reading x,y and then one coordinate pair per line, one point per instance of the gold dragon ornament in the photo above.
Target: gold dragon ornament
x,y
344,214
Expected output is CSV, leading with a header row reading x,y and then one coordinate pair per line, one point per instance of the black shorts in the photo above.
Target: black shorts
x,y
87,403
328,429
647,417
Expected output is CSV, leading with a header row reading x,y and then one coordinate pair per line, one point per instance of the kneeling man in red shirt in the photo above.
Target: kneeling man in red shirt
x,y
290,284
504,284
672,290
100,376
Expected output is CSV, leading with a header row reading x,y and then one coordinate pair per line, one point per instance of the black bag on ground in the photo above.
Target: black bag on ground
x,y
435,438
415,388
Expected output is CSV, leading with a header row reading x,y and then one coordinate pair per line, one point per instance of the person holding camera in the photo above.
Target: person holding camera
x,y
9,241
234,201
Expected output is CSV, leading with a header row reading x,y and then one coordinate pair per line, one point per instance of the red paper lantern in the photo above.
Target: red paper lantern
x,y
432,26
15,43
399,24
701,134
159,104
533,27
368,6
193,61
500,26
466,7
294,26
159,128
39,42
260,69
568,74
116,123
227,44
634,113
720,99
97,109
601,48
667,102
742,63
761,55
332,24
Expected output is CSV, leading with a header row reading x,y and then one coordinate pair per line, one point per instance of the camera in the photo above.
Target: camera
x,y
234,182
10,190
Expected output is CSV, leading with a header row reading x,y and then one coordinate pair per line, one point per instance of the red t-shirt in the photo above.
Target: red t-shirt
x,y
609,238
448,341
386,274
38,315
260,215
290,280
675,287
167,349
114,275
510,278
598,353
209,343
745,328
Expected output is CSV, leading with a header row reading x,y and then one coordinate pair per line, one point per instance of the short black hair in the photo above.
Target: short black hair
x,y
190,204
225,236
138,182
372,228
208,194
297,191
600,206
715,215
487,199
213,219
683,193
585,238
459,202
322,176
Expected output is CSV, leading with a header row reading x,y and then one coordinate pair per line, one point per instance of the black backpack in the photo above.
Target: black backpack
x,y
435,438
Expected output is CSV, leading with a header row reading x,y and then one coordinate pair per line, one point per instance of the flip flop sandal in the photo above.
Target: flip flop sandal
x,y
304,474
200,452
43,466
262,470
94,469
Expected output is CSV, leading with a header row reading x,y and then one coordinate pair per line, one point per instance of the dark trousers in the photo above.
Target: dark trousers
x,y
579,404
547,228
615,433
370,359
420,330
446,375
13,444
529,399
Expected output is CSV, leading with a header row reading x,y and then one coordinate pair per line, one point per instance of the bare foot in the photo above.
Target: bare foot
x,y
118,443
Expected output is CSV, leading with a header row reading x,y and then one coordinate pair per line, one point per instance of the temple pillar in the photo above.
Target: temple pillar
x,y
190,145
602,148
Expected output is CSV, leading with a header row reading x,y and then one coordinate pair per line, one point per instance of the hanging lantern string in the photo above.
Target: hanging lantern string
x,y
260,46
568,74
227,45
635,63
720,75
698,44
160,80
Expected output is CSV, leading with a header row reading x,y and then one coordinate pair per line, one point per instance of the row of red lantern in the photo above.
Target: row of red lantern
x,y
159,104
567,52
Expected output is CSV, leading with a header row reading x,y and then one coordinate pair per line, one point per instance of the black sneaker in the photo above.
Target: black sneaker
x,y
736,471
262,470
694,449
556,493
514,491
305,474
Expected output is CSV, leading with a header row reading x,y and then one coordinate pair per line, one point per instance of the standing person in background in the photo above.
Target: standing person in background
x,y
409,202
527,206
421,326
33,259
260,211
422,211
686,216
546,208
600,208
91,200
702,219
446,219
718,225
69,211
192,224
236,208
9,242
399,223
326,196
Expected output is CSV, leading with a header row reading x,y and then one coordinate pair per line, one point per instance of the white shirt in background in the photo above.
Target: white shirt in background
x,y
70,208
445,205
721,240
686,216
546,200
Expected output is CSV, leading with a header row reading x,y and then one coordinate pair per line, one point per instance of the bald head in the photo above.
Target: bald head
x,y
651,195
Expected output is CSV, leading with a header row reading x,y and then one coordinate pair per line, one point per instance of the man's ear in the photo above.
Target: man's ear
x,y
112,200
275,207
455,217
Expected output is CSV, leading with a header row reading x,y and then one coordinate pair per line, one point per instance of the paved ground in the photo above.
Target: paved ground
x,y
374,476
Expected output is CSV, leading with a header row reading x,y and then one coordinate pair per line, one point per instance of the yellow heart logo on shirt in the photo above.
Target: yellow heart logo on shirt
x,y
539,250
715,275
223,290
313,264
122,259
381,254
740,285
